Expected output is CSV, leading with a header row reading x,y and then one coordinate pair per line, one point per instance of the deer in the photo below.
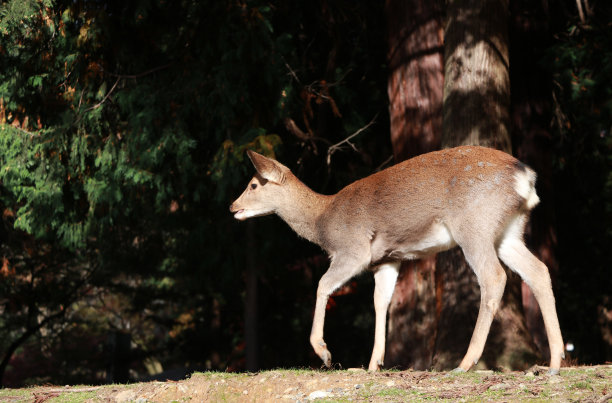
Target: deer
x,y
476,198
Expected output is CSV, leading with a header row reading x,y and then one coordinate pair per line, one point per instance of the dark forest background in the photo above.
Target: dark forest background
x,y
123,130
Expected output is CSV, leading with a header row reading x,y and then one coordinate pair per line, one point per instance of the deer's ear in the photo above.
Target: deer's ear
x,y
268,168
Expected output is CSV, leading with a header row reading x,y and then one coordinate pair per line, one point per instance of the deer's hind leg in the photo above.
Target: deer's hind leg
x,y
513,252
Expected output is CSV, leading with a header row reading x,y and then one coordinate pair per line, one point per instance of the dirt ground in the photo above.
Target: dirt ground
x,y
576,384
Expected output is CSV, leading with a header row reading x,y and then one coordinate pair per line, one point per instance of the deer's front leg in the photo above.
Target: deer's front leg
x,y
384,279
340,271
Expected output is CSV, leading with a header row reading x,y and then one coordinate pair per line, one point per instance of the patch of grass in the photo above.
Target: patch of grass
x,y
73,397
545,394
473,376
300,371
15,395
418,394
580,385
392,392
494,394
211,374
220,375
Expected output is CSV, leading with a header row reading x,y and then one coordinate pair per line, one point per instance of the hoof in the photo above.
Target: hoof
x,y
375,367
553,372
326,358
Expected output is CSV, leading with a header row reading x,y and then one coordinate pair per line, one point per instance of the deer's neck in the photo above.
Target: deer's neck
x,y
303,210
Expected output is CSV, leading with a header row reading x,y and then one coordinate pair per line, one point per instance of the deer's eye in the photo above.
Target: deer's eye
x,y
253,185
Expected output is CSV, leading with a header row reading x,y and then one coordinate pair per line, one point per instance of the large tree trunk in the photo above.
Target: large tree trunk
x,y
477,111
415,109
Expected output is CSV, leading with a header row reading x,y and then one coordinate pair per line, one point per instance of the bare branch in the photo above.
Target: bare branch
x,y
346,73
104,99
588,8
133,76
306,137
580,12
384,164
293,128
292,72
347,141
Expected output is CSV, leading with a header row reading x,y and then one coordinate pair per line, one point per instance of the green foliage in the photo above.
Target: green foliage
x,y
123,130
580,61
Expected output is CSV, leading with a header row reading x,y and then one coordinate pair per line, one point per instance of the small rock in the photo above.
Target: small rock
x,y
245,392
358,386
529,374
499,386
390,383
125,396
318,394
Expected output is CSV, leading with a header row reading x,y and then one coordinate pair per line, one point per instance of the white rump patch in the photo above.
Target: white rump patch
x,y
524,184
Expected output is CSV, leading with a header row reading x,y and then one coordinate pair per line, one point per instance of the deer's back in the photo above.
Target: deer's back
x,y
424,203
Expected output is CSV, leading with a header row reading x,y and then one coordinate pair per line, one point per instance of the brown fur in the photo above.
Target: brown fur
x,y
474,197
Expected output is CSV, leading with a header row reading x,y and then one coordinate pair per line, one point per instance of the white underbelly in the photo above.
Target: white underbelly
x,y
436,239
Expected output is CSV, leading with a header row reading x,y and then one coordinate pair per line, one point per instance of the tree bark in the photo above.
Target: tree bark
x,y
415,85
415,41
476,110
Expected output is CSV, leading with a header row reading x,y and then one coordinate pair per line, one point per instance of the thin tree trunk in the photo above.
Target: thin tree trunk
x,y
251,333
477,111
415,110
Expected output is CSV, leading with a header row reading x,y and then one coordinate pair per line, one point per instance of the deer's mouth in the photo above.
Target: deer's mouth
x,y
238,212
